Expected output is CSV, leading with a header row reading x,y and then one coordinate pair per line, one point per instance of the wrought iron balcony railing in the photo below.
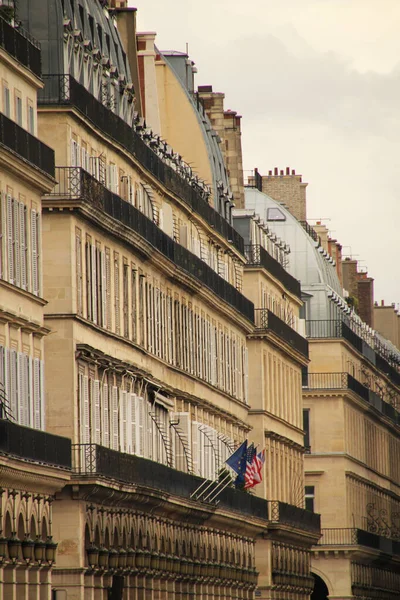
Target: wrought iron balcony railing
x,y
74,182
294,516
34,445
99,461
257,255
343,381
358,537
65,90
22,46
267,320
311,231
379,355
29,147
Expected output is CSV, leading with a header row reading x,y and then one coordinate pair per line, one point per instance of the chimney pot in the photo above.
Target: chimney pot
x,y
270,173
293,172
382,303
287,171
276,171
281,172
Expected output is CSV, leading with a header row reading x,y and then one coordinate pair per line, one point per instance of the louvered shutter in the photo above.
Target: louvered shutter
x,y
245,375
149,434
132,422
116,296
196,448
128,424
16,240
13,398
123,421
34,254
79,290
96,429
103,276
10,248
37,394
23,389
114,420
7,377
94,282
22,241
140,425
84,408
213,357
106,416
182,441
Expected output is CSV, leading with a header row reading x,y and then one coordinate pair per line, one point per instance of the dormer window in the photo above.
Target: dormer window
x,y
274,214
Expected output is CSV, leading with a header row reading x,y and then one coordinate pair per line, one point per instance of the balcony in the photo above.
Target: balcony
x,y
34,445
75,183
256,255
344,381
20,45
26,145
379,355
66,91
267,321
92,460
293,516
358,537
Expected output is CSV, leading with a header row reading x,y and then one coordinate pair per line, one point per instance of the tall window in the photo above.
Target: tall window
x,y
306,429
18,108
6,100
309,497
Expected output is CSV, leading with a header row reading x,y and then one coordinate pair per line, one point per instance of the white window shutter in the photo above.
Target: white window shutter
x,y
140,425
22,242
16,232
114,420
96,429
123,421
37,394
94,282
128,425
196,448
34,253
23,389
245,375
103,289
13,397
105,412
79,290
10,249
148,434
84,409
182,442
132,422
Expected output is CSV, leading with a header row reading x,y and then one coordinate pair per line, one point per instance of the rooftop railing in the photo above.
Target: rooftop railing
x,y
311,231
29,147
65,90
267,320
22,46
342,381
379,355
257,255
74,182
294,516
34,445
99,461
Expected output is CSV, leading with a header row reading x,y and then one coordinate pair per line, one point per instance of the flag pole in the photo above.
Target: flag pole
x,y
227,478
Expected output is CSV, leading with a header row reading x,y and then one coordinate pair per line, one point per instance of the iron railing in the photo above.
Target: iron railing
x,y
75,182
257,255
294,516
99,461
358,537
342,381
267,320
34,445
65,90
22,46
378,355
29,147
311,231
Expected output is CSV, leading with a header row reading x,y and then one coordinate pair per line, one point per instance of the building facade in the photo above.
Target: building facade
x,y
351,420
139,296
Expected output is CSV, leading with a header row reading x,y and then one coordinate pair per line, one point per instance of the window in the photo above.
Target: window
x,y
309,497
18,108
6,100
274,214
31,118
306,429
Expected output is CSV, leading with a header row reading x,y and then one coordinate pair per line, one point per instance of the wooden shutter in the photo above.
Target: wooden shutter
x,y
245,375
116,295
114,420
123,420
196,448
34,253
23,389
10,248
182,442
105,412
79,290
22,241
96,428
13,397
140,425
16,234
84,408
94,282
108,288
103,275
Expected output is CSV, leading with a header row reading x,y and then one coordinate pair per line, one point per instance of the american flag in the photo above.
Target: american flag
x,y
254,466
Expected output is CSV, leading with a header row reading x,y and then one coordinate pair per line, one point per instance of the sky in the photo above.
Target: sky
x,y
317,83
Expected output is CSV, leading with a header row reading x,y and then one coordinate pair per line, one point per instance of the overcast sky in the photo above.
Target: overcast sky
x,y
318,85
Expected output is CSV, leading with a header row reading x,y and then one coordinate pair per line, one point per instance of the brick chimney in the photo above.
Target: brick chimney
x,y
118,3
349,268
288,188
365,292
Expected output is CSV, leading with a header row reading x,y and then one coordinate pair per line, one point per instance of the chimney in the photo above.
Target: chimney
x,y
286,187
365,289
